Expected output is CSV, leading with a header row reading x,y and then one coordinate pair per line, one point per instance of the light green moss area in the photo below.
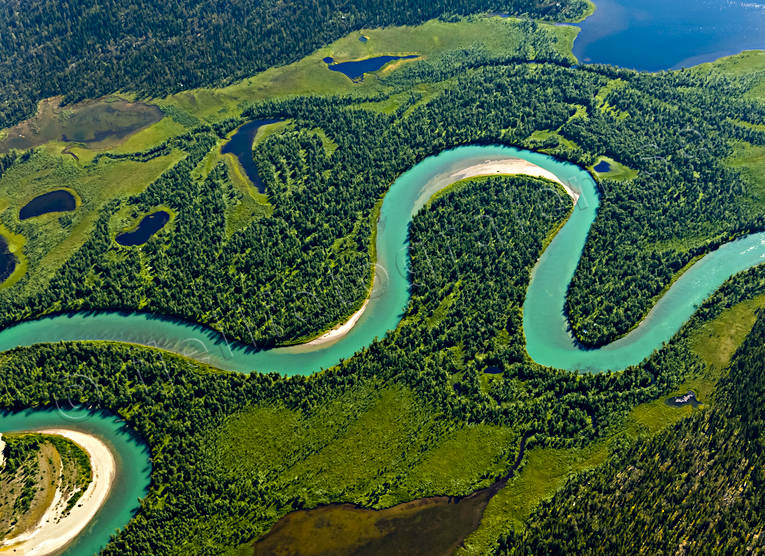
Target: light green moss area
x,y
617,171
370,447
746,63
750,160
310,76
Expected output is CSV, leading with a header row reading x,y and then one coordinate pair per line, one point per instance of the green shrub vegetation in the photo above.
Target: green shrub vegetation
x,y
696,485
415,414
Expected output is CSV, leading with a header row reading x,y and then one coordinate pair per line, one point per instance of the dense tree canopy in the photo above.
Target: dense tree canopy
x,y
85,49
697,487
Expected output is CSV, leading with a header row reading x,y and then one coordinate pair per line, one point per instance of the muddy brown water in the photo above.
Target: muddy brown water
x,y
102,122
428,526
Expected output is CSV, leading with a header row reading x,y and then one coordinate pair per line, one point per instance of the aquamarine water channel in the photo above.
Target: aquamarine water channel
x,y
547,338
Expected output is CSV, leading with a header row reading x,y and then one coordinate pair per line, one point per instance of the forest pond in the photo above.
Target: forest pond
x,y
149,225
355,70
240,145
59,200
7,261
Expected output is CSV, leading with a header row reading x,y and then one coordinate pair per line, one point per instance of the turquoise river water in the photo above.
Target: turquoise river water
x,y
547,338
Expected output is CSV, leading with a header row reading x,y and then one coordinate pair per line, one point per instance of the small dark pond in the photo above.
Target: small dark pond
x,y
356,70
494,370
240,145
7,260
59,200
149,225
686,399
603,167
362,38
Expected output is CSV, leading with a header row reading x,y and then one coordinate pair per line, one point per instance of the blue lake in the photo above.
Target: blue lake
x,y
149,225
652,35
240,145
355,70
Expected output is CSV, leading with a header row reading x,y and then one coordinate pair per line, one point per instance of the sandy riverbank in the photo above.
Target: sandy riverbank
x,y
341,329
512,166
54,532
503,166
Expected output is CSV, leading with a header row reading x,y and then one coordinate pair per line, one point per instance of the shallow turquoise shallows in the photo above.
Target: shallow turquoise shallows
x,y
547,338
133,467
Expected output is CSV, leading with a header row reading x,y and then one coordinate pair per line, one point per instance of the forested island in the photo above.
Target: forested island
x,y
449,402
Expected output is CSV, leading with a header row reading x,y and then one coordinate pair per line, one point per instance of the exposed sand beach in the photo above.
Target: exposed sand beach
x,y
53,532
341,329
512,166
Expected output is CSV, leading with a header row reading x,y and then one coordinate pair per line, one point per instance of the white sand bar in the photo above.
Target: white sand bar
x,y
512,166
341,329
54,531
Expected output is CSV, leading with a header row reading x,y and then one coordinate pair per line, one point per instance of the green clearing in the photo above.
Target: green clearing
x,y
601,97
310,75
716,341
50,239
550,142
750,159
373,448
746,63
618,171
266,131
150,136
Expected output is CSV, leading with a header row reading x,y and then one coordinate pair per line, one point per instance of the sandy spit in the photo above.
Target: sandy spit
x,y
512,166
54,532
341,329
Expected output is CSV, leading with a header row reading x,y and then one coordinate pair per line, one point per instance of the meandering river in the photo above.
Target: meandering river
x,y
548,340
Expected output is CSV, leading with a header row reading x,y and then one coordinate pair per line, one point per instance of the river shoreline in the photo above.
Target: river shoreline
x,y
498,167
54,531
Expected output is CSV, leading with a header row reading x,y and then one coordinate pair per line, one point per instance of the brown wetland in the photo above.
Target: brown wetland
x,y
432,526
101,123
436,525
